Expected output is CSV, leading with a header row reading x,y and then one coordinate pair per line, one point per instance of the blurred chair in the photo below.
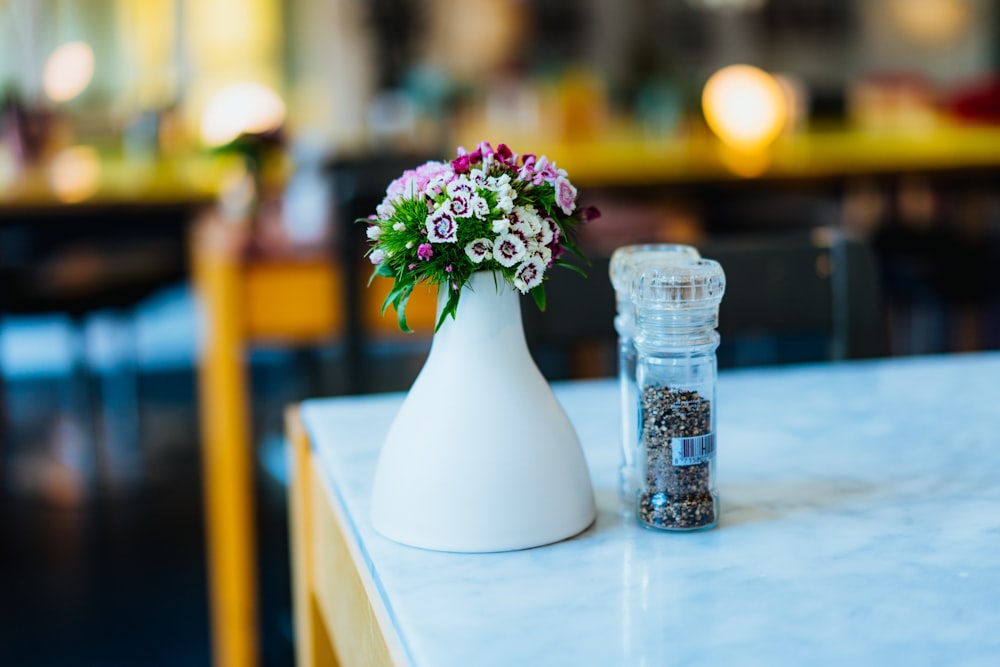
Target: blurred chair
x,y
790,297
357,186
575,336
78,278
797,297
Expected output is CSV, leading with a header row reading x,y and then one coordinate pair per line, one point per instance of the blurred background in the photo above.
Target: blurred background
x,y
178,260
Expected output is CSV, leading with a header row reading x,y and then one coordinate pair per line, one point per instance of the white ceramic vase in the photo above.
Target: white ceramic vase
x,y
481,456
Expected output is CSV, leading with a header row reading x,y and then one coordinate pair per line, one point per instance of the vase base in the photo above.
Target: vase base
x,y
496,544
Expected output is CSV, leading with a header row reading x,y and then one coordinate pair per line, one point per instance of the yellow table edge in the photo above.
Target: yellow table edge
x,y
340,618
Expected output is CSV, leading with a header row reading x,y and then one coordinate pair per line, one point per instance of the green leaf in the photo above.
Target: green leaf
x,y
538,293
393,296
569,245
400,305
571,267
382,270
450,306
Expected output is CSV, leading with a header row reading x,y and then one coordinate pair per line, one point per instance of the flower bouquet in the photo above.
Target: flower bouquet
x,y
488,210
488,216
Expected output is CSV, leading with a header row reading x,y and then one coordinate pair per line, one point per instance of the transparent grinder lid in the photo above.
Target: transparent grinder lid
x,y
693,287
628,261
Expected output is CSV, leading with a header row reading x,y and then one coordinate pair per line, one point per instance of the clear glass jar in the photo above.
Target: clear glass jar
x,y
677,309
626,263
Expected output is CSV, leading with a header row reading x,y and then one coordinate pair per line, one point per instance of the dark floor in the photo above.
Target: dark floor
x,y
103,562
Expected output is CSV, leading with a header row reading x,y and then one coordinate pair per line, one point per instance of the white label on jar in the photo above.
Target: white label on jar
x,y
693,450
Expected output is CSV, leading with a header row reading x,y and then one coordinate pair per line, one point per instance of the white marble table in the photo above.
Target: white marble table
x,y
860,525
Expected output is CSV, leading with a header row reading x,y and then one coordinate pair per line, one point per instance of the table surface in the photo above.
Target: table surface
x,y
860,525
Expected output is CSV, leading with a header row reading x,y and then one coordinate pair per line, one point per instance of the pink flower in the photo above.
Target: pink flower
x,y
425,251
441,227
565,195
414,182
527,171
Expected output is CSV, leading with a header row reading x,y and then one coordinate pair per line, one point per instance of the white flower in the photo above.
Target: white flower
x,y
529,275
479,250
441,227
399,226
480,207
496,183
385,210
543,254
501,226
436,185
409,244
530,216
554,228
505,204
377,256
477,177
460,187
374,231
545,234
508,249
522,229
460,205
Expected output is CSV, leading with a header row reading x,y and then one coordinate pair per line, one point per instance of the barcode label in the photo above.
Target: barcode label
x,y
693,450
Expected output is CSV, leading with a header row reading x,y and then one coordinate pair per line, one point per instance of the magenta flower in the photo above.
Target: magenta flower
x,y
591,213
506,154
462,164
425,251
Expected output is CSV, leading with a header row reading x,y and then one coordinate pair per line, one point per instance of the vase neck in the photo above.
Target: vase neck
x,y
489,308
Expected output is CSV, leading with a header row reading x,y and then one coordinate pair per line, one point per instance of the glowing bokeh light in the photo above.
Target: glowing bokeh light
x,y
240,108
933,23
75,174
68,71
744,106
